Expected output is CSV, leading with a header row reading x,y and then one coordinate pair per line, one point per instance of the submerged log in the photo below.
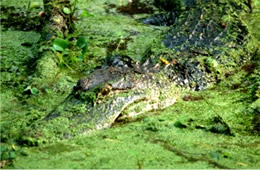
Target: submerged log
x,y
57,21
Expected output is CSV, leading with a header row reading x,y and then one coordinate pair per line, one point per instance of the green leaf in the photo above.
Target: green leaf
x,y
59,44
66,10
34,90
85,14
84,50
81,43
27,88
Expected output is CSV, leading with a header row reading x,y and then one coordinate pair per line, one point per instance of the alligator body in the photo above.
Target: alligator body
x,y
129,95
117,91
207,40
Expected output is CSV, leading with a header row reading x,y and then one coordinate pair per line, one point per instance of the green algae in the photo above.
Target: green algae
x,y
20,107
178,137
114,33
155,141
111,32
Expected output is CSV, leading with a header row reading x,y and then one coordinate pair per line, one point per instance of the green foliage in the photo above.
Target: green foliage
x,y
70,51
85,14
71,48
82,44
33,90
66,10
60,44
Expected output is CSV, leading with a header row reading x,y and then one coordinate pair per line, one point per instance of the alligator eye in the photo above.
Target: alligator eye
x,y
85,83
82,85
107,88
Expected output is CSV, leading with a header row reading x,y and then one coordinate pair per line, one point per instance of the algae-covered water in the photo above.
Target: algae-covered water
x,y
214,128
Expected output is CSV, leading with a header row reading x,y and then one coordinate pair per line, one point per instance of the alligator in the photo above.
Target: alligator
x,y
207,39
112,92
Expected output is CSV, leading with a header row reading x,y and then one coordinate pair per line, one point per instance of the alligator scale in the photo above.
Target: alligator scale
x,y
206,39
